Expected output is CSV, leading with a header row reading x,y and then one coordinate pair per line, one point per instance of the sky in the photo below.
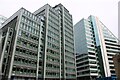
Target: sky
x,y
105,10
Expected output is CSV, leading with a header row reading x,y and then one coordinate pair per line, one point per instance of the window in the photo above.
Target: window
x,y
20,33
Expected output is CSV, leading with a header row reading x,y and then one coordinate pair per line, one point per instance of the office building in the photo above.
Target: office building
x,y
119,21
2,19
116,58
95,46
38,45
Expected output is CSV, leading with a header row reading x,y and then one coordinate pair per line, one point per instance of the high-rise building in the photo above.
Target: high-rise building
x,y
119,21
38,45
95,46
2,19
116,58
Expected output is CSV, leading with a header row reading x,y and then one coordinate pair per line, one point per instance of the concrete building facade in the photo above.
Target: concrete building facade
x,y
38,45
2,19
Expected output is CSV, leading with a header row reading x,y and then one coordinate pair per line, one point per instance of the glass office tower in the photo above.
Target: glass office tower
x,y
95,45
37,45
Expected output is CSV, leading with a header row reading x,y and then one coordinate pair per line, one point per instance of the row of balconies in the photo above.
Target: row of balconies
x,y
29,64
26,55
21,71
28,44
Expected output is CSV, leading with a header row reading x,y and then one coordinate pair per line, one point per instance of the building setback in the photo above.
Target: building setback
x,y
95,46
2,19
38,45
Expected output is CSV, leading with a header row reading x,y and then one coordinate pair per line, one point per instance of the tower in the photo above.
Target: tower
x,y
38,45
95,46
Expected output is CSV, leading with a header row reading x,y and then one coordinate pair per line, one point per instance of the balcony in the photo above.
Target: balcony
x,y
26,55
26,47
52,69
23,74
26,65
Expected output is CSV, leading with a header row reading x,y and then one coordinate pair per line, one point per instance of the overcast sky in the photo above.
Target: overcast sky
x,y
105,10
